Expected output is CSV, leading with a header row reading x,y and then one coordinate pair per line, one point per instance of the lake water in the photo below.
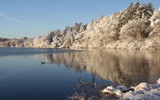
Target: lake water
x,y
23,77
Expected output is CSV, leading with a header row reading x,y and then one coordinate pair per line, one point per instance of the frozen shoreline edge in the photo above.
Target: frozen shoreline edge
x,y
143,91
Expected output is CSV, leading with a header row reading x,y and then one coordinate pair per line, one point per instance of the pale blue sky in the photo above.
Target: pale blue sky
x,y
32,18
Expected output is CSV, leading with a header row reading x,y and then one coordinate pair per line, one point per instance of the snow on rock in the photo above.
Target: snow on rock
x,y
143,91
114,91
109,90
142,86
158,81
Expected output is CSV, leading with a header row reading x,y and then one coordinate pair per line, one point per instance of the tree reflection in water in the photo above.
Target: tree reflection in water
x,y
125,67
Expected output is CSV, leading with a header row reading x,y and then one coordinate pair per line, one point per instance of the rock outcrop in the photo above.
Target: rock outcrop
x,y
143,91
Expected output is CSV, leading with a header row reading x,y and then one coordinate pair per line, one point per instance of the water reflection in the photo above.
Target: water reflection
x,y
125,67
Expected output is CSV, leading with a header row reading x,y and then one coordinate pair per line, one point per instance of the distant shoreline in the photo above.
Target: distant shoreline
x,y
134,28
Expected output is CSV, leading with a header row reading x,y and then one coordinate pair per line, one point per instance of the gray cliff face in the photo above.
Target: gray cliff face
x,y
136,27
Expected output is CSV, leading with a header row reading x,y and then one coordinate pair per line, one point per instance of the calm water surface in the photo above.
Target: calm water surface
x,y
23,77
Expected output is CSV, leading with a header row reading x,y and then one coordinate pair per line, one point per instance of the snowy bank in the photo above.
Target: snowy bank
x,y
143,91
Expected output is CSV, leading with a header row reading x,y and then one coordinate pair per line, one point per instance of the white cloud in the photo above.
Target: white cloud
x,y
12,19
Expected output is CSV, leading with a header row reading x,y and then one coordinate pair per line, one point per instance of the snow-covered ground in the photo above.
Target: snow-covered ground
x,y
143,91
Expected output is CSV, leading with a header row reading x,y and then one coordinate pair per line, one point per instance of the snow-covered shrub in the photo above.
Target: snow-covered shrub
x,y
155,23
136,29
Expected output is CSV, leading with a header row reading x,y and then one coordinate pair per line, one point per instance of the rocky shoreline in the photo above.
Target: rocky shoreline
x,y
143,91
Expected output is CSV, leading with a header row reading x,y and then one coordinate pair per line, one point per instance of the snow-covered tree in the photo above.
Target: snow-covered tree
x,y
136,29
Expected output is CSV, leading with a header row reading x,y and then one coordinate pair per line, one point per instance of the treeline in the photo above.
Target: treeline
x,y
3,39
136,27
23,42
61,39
